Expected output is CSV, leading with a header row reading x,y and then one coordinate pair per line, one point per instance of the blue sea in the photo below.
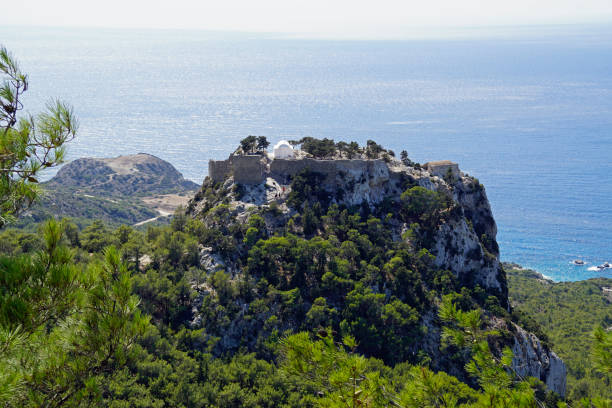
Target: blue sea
x,y
527,111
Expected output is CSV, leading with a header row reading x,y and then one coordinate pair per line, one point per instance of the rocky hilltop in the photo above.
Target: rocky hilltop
x,y
130,189
465,244
398,231
127,175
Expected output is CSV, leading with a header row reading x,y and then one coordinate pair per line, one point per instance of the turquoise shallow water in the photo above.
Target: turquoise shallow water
x,y
530,115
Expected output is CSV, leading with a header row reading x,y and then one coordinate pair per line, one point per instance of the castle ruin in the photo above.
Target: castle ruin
x,y
255,168
442,168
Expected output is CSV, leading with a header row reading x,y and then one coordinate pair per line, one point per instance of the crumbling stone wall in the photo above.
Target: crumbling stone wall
x,y
219,170
248,169
280,168
441,168
252,169
283,170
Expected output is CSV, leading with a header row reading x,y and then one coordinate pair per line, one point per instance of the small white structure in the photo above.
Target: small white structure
x,y
283,150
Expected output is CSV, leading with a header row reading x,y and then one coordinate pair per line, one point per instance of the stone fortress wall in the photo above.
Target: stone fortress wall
x,y
249,169
253,169
441,168
219,170
330,168
283,169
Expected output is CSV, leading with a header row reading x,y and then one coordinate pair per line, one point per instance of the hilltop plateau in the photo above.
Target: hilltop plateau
x,y
136,174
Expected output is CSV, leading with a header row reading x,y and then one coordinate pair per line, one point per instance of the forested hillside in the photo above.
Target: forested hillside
x,y
177,361
567,312
244,317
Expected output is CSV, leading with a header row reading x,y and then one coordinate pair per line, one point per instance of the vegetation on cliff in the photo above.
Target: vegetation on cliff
x,y
174,363
329,149
327,266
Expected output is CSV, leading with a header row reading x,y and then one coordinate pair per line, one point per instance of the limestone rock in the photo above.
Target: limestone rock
x,y
531,359
210,261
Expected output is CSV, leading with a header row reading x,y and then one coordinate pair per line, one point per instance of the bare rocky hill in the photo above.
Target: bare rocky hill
x,y
132,189
126,175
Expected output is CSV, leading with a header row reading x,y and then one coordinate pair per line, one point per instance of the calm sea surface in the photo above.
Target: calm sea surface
x,y
530,115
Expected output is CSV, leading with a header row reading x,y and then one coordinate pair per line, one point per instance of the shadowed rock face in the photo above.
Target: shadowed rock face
x,y
133,174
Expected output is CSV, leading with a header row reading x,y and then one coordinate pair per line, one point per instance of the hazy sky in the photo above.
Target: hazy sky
x,y
358,18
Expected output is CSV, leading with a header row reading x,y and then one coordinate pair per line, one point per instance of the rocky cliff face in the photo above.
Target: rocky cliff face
x,y
463,242
467,244
531,359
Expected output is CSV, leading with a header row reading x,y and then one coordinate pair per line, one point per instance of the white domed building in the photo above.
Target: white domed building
x,y
283,150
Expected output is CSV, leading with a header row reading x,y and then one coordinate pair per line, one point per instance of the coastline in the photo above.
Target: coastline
x,y
529,271
539,275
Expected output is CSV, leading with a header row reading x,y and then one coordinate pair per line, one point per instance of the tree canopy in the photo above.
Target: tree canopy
x,y
254,144
62,326
28,144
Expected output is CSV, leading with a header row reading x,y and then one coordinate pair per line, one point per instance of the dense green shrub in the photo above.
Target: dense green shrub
x,y
306,186
319,148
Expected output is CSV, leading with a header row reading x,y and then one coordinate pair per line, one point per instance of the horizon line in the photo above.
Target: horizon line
x,y
414,32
